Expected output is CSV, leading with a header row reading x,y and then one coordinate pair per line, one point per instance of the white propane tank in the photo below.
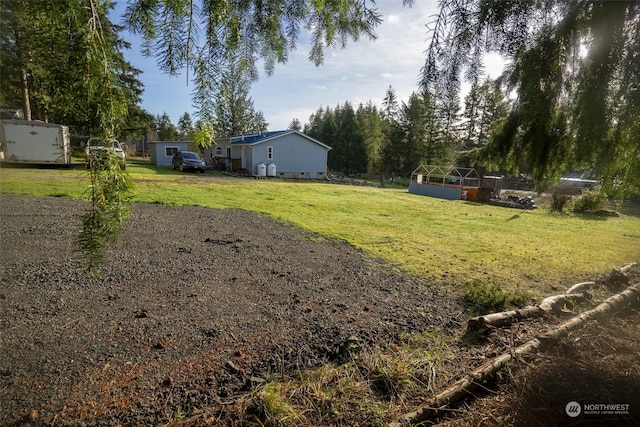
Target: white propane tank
x,y
271,169
262,170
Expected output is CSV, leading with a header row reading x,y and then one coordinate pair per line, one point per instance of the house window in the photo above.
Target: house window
x,y
170,151
218,151
269,153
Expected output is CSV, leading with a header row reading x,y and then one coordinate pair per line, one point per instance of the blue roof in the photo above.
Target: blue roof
x,y
256,138
252,138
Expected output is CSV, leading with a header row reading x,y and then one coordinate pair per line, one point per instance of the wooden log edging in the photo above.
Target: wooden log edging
x,y
506,318
503,318
474,380
627,266
557,302
581,287
575,293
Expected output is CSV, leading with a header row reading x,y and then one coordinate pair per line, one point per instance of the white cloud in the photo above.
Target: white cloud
x,y
392,19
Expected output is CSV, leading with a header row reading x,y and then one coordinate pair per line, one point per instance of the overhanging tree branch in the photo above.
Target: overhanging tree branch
x,y
571,109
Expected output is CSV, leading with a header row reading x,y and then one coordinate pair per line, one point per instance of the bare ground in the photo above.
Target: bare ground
x,y
192,305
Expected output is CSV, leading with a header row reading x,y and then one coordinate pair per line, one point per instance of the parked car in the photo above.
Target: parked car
x,y
96,148
188,160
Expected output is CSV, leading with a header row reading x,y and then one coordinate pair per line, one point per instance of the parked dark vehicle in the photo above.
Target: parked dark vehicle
x,y
188,160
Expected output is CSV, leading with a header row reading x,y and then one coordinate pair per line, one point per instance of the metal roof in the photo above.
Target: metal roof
x,y
257,138
254,138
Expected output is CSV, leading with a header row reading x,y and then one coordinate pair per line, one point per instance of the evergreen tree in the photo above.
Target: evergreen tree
x,y
472,116
425,131
234,110
447,128
164,129
417,120
295,125
371,126
494,110
340,129
391,107
485,110
185,128
328,129
51,65
137,124
391,152
62,62
350,151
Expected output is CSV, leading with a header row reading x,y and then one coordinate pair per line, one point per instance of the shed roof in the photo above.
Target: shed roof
x,y
258,138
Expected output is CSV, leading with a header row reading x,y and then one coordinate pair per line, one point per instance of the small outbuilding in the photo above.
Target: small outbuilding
x,y
285,154
161,152
451,183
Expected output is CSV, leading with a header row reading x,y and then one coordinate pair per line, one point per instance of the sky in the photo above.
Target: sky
x,y
361,72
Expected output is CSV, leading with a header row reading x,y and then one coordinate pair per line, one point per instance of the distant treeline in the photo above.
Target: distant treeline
x,y
402,135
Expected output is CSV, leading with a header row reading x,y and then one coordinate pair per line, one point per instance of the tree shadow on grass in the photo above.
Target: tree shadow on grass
x,y
601,215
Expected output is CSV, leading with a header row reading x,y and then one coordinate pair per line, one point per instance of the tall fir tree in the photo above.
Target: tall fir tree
x,y
295,125
234,110
185,128
164,129
370,123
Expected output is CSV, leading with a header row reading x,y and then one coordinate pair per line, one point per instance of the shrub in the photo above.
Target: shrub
x,y
590,201
559,198
490,297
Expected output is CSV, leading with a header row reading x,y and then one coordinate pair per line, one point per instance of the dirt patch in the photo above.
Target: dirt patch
x,y
193,305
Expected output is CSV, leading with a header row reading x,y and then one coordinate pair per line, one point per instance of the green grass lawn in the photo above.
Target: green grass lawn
x,y
447,243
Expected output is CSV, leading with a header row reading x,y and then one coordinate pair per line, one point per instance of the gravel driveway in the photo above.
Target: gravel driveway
x,y
192,306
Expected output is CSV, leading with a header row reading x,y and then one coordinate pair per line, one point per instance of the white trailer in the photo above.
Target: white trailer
x,y
27,141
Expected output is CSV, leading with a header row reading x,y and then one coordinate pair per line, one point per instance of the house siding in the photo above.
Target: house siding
x,y
158,151
294,155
